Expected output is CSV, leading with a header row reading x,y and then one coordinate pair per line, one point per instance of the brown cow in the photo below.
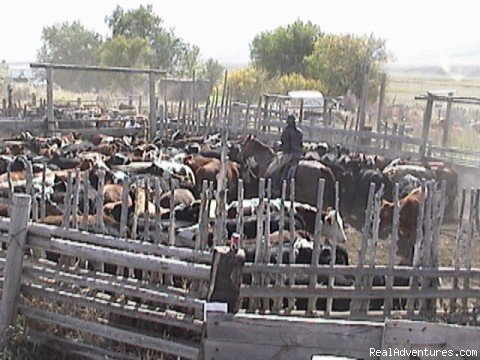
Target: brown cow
x,y
112,227
196,162
407,224
210,171
113,193
180,196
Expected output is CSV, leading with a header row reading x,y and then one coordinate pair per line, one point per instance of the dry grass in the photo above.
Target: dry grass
x,y
404,86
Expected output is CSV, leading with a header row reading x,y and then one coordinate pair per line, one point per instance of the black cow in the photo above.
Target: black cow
x,y
118,159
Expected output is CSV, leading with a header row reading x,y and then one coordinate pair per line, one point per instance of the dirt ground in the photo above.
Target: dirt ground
x,y
446,249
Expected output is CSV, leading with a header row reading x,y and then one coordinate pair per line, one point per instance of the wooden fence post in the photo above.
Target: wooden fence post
x,y
291,253
171,218
393,247
426,126
13,267
50,112
219,229
458,237
446,125
312,302
355,306
152,116
226,277
11,189
381,101
281,226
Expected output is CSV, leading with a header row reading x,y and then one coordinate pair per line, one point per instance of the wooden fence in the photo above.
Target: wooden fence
x,y
128,285
98,294
272,337
265,122
371,288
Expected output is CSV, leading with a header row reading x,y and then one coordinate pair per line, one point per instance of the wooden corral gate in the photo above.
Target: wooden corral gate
x,y
86,306
272,337
109,305
115,127
99,315
315,283
94,306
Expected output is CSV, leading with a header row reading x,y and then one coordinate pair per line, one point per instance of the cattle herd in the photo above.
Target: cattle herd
x,y
184,162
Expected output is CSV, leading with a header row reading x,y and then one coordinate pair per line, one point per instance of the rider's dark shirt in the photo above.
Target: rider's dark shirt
x,y
292,139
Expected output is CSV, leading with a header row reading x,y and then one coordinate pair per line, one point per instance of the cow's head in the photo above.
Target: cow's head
x,y
333,227
386,218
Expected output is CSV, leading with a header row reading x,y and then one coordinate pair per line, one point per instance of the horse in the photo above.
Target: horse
x,y
258,157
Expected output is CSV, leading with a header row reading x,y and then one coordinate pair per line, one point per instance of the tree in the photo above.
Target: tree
x,y
143,23
124,52
189,60
283,50
247,84
340,61
211,71
286,83
70,43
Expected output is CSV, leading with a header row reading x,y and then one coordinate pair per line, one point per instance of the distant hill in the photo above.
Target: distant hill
x,y
462,62
233,65
458,70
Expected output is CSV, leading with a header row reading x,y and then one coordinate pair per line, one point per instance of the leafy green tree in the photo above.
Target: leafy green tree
x,y
120,51
189,60
286,83
143,23
340,62
125,52
211,71
247,84
70,43
283,50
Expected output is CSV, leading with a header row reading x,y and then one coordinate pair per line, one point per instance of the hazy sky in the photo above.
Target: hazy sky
x,y
421,31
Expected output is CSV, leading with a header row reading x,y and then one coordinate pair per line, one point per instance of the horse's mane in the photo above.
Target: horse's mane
x,y
258,144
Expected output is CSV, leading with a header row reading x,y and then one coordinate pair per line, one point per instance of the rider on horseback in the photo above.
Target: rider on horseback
x,y
292,151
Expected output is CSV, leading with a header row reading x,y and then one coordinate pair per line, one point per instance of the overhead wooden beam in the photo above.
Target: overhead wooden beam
x,y
95,68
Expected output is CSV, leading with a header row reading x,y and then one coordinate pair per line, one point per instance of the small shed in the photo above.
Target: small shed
x,y
308,102
312,99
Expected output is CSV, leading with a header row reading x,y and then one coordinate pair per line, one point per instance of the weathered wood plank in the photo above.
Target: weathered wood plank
x,y
420,335
282,337
349,292
129,310
116,285
73,347
106,240
13,266
110,332
118,257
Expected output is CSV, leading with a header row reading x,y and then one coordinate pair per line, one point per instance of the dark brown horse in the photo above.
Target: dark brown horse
x,y
259,156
